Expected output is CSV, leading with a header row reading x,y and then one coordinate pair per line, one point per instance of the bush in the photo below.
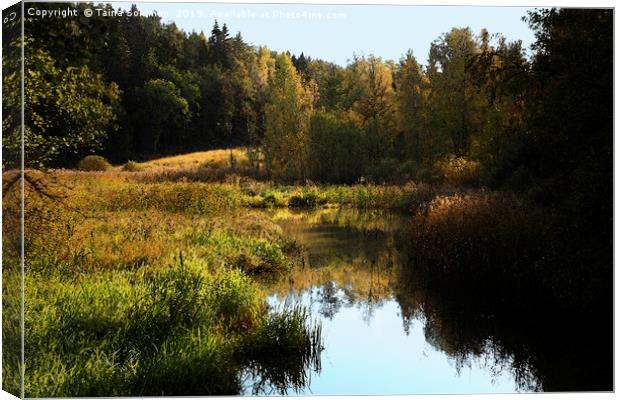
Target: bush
x,y
132,166
94,163
270,198
458,170
273,199
308,198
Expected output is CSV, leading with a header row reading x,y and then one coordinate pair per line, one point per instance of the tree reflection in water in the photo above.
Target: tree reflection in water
x,y
360,260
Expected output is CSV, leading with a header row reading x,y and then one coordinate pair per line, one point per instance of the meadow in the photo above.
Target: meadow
x,y
137,289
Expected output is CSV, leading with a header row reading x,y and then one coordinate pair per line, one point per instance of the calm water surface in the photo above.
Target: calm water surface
x,y
384,334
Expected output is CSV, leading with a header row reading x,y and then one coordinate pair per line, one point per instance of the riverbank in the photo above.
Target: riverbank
x,y
148,290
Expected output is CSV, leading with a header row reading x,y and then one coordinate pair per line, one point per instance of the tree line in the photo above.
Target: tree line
x,y
134,87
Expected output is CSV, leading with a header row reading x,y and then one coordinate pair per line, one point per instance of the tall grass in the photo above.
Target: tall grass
x,y
404,198
137,289
499,246
299,353
180,330
478,234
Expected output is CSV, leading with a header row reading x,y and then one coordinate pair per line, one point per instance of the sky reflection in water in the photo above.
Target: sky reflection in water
x,y
370,348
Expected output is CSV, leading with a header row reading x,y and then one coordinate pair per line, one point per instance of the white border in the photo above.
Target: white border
x,y
523,3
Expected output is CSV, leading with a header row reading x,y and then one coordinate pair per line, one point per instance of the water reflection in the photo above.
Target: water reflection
x,y
388,330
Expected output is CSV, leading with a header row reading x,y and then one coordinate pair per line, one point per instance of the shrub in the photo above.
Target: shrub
x,y
307,198
273,199
458,170
270,198
94,163
132,166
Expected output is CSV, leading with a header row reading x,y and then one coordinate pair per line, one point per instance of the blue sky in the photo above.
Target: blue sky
x,y
335,32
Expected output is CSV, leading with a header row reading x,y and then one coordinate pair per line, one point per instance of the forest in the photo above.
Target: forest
x,y
500,160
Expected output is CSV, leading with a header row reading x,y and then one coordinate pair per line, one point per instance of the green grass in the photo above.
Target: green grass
x,y
286,330
179,330
145,289
405,198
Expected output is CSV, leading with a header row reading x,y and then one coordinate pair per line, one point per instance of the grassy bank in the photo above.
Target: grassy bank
x,y
182,329
136,289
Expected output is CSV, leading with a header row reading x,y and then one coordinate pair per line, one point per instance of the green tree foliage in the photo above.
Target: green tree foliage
x,y
500,73
329,78
11,102
411,97
455,101
369,93
69,112
567,154
287,121
570,105
164,113
335,147
477,101
261,75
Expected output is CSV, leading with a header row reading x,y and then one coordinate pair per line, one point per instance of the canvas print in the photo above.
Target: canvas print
x,y
303,199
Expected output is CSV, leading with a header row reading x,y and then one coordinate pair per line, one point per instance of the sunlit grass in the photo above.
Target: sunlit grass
x,y
220,158
177,330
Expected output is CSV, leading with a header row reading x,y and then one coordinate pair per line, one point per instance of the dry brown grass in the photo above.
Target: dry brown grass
x,y
478,232
215,159
203,166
